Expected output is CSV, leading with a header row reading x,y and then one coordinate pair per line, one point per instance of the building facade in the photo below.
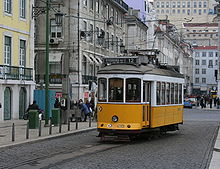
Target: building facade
x,y
201,34
90,31
16,58
205,66
181,11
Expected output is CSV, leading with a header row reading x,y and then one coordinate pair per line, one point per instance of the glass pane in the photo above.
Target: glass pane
x,y
180,93
133,90
176,93
102,90
158,93
163,94
116,90
172,93
168,93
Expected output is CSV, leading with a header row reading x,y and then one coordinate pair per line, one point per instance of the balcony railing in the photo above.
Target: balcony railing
x,y
53,78
15,73
86,79
122,4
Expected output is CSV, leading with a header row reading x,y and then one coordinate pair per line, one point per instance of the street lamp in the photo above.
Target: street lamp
x,y
58,18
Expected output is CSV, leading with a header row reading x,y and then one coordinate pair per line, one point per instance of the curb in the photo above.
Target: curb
x,y
47,138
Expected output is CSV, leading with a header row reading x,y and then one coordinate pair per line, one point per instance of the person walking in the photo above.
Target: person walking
x,y
202,102
57,103
33,106
210,102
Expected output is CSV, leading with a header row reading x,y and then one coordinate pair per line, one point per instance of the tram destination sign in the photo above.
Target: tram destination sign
x,y
122,60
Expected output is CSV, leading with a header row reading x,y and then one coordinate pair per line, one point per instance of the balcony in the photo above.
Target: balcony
x,y
15,73
122,4
87,78
53,78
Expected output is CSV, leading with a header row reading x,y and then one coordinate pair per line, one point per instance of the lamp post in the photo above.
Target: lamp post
x,y
58,18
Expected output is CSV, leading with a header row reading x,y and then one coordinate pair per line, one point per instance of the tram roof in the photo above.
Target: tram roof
x,y
141,69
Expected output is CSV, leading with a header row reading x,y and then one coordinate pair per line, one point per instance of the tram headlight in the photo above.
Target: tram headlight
x,y
114,118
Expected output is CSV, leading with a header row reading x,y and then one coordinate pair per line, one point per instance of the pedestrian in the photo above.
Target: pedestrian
x,y
218,102
84,109
33,106
57,103
215,102
210,102
202,102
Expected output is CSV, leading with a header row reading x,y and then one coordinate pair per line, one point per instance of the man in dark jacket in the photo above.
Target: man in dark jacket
x,y
33,106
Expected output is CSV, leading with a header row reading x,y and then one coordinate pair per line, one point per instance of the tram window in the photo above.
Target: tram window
x,y
168,93
147,92
133,90
163,93
172,93
180,94
102,90
116,90
158,93
176,93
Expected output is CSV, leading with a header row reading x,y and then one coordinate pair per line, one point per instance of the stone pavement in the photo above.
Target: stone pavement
x,y
21,129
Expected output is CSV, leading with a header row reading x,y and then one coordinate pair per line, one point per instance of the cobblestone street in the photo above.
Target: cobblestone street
x,y
190,147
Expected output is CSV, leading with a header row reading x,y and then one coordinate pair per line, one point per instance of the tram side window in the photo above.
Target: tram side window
x,y
163,93
168,93
133,90
102,90
116,90
158,93
180,94
172,93
176,93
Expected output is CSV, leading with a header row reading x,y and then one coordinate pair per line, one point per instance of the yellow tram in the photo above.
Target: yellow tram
x,y
135,97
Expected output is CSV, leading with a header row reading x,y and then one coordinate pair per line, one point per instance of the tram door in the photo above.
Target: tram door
x,y
147,100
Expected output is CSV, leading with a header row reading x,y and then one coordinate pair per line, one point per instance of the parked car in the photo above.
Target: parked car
x,y
188,104
193,100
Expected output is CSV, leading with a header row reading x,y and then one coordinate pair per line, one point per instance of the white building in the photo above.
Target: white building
x,y
205,66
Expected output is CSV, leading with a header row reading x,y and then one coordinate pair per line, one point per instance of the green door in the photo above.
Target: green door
x,y
22,102
7,104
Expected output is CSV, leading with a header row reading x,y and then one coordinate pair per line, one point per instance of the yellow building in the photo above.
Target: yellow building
x,y
16,58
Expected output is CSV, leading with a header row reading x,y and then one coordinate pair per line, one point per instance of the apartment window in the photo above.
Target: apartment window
x,y
204,10
188,4
183,11
200,12
203,80
194,11
205,4
91,33
97,37
167,4
210,54
178,4
167,11
23,8
91,3
158,4
174,11
200,4
116,45
22,53
85,2
184,4
197,54
107,42
55,68
174,4
216,54
8,6
7,50
188,12
195,4
84,65
210,64
203,71
55,30
107,11
158,11
203,62
203,54
162,4
97,6
112,43
216,62
162,11
197,80
197,62
116,17
112,12
178,11
196,71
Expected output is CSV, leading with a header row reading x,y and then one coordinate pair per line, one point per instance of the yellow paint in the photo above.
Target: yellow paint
x,y
133,115
12,25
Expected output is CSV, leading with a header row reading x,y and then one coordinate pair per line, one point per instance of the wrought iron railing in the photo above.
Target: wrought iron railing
x,y
53,78
122,3
87,78
15,73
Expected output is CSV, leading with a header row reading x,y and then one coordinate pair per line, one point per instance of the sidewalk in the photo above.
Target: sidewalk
x,y
207,108
21,128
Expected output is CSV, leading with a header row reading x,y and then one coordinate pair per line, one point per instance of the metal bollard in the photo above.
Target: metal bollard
x,y
60,126
68,124
40,129
13,132
27,131
90,120
50,128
